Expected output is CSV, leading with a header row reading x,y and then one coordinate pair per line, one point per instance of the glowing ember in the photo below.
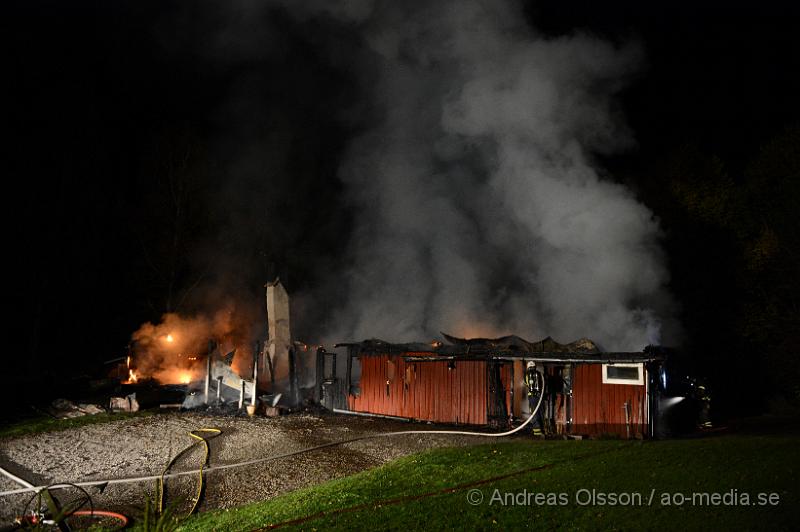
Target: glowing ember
x,y
169,338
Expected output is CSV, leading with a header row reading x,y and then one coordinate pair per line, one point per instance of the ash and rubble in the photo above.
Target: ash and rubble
x,y
144,445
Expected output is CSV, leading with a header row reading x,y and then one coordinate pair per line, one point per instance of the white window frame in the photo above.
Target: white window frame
x,y
614,380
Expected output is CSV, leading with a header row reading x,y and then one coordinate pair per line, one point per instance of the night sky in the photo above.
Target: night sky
x,y
117,113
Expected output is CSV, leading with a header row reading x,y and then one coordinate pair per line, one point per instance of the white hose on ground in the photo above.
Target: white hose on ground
x,y
467,433
16,479
133,480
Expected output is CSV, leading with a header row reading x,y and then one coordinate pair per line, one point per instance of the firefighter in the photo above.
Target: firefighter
x,y
535,383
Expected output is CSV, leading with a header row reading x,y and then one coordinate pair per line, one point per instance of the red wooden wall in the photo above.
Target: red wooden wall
x,y
598,408
431,392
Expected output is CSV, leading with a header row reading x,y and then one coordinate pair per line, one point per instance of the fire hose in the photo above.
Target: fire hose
x,y
198,439
223,467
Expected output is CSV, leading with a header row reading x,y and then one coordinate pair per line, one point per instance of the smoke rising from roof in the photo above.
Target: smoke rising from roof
x,y
477,202
479,207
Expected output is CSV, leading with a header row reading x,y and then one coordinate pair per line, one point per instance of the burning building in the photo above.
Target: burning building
x,y
481,382
214,358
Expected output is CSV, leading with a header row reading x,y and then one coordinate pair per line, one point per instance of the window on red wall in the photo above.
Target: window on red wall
x,y
623,374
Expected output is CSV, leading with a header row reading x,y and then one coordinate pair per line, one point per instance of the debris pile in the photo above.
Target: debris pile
x,y
65,409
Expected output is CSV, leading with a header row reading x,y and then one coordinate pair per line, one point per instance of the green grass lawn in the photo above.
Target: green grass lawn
x,y
430,490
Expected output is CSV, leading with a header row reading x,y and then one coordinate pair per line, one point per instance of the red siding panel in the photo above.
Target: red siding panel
x,y
599,408
435,393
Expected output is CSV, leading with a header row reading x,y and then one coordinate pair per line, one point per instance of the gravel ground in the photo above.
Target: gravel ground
x,y
142,446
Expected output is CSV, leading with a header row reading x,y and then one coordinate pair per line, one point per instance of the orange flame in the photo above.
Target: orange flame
x,y
132,377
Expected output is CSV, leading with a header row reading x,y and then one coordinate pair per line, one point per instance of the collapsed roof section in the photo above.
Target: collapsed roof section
x,y
506,347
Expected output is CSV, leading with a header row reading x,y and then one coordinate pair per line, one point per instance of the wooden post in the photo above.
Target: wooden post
x,y
513,385
255,373
208,368
320,371
347,382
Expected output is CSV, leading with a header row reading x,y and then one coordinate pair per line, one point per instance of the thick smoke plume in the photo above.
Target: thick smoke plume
x,y
479,207
477,202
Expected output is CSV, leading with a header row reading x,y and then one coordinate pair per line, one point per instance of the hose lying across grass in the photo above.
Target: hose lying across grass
x,y
213,469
